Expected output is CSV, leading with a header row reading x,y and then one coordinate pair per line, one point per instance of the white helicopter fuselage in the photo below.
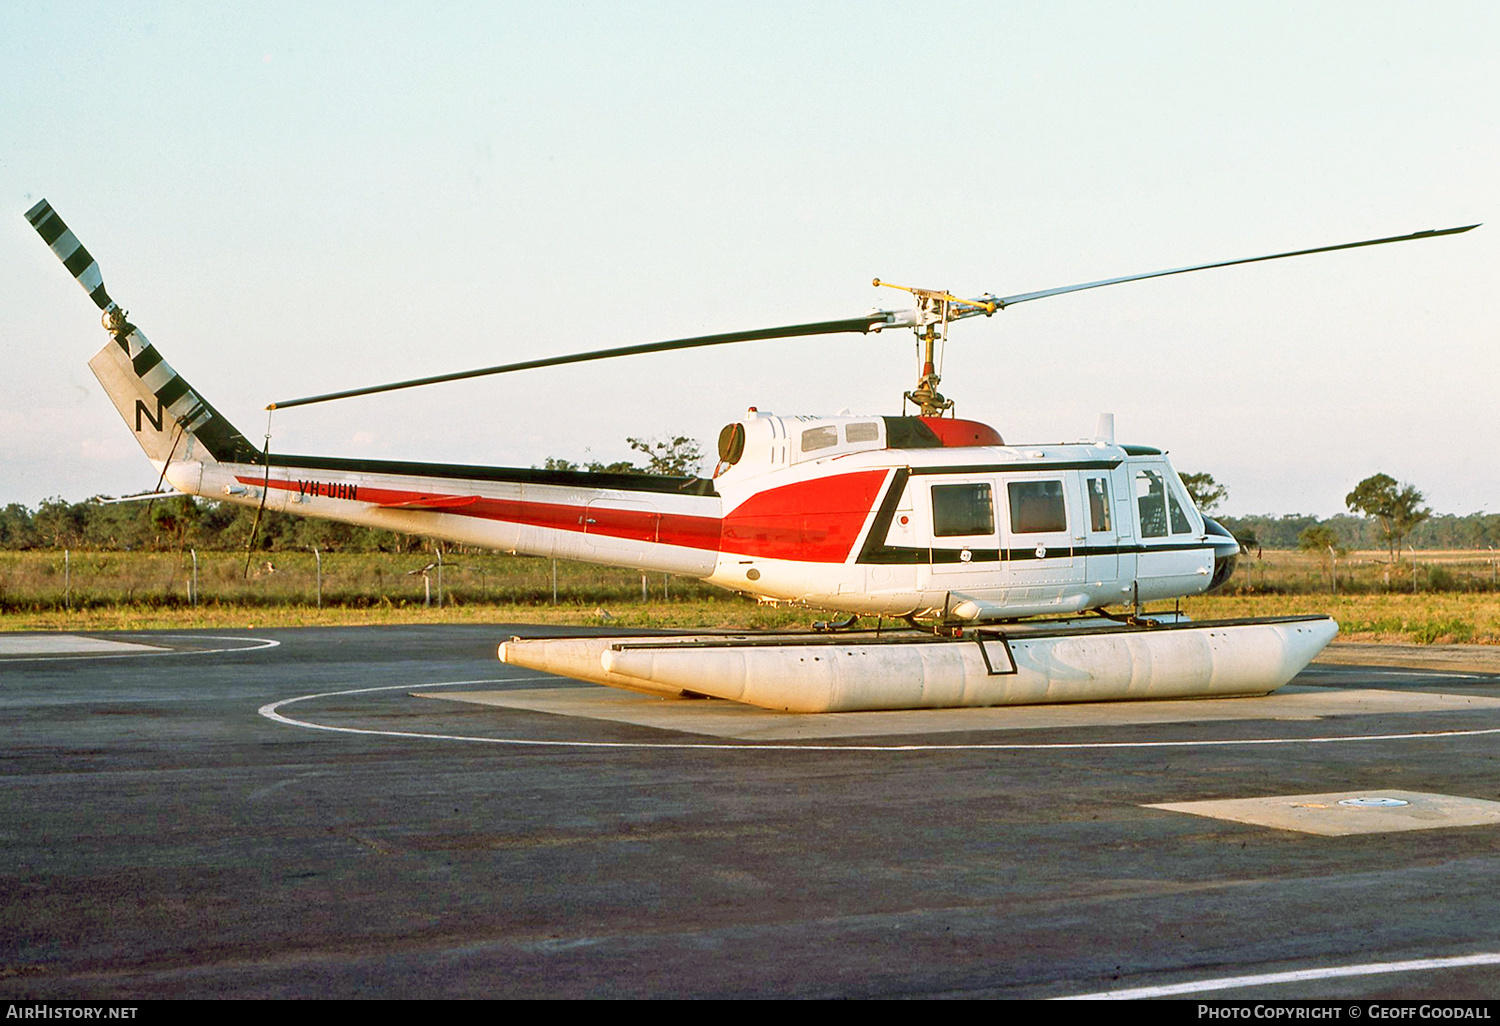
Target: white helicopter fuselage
x,y
925,532
825,511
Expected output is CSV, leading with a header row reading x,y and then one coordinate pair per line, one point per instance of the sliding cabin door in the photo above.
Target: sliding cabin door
x,y
1042,535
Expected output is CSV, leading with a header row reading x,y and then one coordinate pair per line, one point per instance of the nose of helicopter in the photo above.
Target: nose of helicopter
x,y
1226,551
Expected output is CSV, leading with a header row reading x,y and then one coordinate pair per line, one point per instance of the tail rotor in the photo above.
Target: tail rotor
x,y
79,262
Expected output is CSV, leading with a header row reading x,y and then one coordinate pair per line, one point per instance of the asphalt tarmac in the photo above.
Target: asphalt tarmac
x,y
303,813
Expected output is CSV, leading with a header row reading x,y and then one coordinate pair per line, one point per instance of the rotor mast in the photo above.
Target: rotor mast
x,y
935,308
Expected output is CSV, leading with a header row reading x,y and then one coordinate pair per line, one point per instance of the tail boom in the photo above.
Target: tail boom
x,y
638,521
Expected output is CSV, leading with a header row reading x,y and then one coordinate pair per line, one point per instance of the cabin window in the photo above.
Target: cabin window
x,y
820,437
1180,522
962,509
865,431
1098,489
1037,507
1151,500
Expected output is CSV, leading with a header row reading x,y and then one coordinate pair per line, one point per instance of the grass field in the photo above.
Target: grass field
x,y
1427,571
140,591
1453,602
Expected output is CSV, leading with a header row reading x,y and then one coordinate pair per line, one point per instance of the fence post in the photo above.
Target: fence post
x,y
68,579
193,597
318,558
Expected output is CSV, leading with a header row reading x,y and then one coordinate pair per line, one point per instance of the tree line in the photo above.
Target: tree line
x,y
1350,532
177,522
1383,514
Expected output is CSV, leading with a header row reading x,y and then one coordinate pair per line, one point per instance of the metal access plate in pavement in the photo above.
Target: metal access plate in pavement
x,y
1340,813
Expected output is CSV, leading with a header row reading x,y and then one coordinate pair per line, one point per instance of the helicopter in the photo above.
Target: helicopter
x,y
1005,560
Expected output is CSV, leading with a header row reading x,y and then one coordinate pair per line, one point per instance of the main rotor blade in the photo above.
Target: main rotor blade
x,y
1023,297
61,240
853,324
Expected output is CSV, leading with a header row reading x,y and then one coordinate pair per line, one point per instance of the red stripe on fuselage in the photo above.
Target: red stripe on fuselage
x,y
812,521
634,524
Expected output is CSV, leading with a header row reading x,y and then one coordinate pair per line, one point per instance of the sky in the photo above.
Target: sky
x,y
295,198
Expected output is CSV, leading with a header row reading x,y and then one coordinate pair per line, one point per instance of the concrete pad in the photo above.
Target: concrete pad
x,y
718,718
1340,813
22,645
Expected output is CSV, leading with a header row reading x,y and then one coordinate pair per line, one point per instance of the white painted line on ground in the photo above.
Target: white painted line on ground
x,y
259,643
269,711
1294,976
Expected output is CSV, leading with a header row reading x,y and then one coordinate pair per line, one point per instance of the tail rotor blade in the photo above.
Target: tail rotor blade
x,y
70,251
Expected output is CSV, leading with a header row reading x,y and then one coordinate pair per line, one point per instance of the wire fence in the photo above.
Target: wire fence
x,y
74,579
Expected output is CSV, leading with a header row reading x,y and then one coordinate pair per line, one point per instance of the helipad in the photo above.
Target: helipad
x,y
732,720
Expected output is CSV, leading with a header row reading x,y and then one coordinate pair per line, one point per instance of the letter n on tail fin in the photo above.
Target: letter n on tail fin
x,y
141,410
